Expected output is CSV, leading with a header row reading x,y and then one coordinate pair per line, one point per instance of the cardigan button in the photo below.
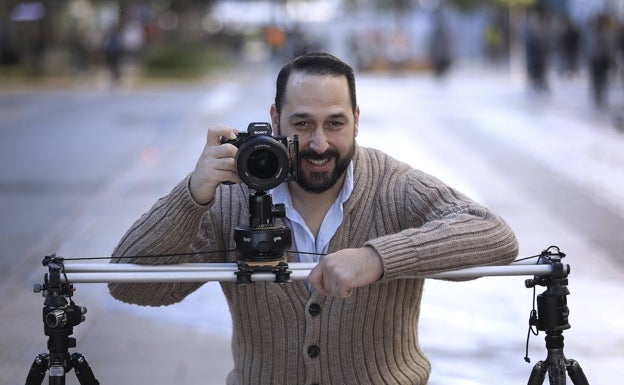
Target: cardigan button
x,y
314,351
314,309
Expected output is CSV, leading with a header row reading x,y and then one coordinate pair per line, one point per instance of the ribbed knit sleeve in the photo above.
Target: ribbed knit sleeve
x,y
441,229
168,228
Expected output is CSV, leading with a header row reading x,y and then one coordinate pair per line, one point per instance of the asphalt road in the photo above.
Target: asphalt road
x,y
78,165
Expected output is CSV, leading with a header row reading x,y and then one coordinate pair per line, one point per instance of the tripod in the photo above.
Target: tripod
x,y
59,318
552,318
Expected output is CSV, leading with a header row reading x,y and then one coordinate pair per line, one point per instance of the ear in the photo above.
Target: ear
x,y
275,120
356,120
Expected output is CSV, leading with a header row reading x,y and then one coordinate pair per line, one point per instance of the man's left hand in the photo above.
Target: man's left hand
x,y
340,273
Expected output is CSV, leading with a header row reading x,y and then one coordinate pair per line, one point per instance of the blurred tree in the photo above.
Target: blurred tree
x,y
467,5
462,5
36,37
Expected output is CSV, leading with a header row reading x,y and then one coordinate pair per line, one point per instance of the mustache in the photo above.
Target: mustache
x,y
309,154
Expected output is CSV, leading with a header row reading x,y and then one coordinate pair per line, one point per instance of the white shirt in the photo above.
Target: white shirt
x,y
303,239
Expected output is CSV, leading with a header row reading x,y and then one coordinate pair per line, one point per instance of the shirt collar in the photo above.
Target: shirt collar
x,y
281,193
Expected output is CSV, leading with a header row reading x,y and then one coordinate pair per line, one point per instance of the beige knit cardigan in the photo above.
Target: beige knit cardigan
x,y
283,334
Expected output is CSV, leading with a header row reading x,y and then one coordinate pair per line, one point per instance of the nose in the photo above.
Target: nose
x,y
318,141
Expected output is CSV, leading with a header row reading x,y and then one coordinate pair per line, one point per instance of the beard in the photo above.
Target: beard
x,y
318,182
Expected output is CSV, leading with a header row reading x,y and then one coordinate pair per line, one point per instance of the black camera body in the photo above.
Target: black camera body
x,y
263,161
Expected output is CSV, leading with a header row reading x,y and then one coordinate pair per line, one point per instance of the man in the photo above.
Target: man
x,y
376,219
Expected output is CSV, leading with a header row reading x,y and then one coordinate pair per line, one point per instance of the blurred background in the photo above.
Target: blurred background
x,y
518,103
109,41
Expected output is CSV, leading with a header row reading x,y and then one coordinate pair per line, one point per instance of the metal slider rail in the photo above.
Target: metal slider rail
x,y
225,272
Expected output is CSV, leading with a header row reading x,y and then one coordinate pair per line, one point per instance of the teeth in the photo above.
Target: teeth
x,y
318,162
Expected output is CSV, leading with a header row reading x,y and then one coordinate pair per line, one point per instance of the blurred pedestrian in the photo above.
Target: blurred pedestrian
x,y
570,42
397,50
495,39
8,53
275,38
620,49
79,50
440,45
299,42
364,217
600,46
113,52
536,51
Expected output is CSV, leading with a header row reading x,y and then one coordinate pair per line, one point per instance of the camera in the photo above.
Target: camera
x,y
263,161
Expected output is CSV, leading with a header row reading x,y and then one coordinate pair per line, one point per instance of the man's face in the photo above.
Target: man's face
x,y
318,109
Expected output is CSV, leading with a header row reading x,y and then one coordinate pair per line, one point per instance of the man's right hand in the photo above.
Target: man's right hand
x,y
216,164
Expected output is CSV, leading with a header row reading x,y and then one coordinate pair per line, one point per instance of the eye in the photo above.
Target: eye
x,y
302,125
335,124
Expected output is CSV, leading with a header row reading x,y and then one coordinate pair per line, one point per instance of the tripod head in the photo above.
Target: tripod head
x,y
552,303
60,313
551,317
261,245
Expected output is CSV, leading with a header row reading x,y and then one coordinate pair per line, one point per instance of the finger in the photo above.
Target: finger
x,y
337,281
223,163
328,282
316,279
218,166
342,289
215,134
315,276
221,151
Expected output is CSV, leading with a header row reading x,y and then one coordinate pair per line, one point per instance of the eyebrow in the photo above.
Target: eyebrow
x,y
305,115
299,115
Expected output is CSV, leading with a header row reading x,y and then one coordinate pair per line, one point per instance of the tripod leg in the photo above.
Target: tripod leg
x,y
38,370
576,373
556,367
538,374
57,375
83,370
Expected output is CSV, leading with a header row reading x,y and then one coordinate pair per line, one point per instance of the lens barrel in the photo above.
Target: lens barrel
x,y
262,162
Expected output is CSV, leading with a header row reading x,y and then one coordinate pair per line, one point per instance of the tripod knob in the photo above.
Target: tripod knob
x,y
56,318
83,311
37,288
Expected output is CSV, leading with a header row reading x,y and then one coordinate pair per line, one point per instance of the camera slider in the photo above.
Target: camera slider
x,y
61,314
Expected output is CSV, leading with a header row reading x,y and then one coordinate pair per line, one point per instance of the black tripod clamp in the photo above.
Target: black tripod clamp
x,y
60,315
551,317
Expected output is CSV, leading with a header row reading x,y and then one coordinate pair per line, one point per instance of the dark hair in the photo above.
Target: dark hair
x,y
314,64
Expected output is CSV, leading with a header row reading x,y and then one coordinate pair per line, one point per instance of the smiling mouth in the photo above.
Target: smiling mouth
x,y
319,162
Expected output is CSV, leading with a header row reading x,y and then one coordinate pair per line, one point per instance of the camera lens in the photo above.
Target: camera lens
x,y
262,164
